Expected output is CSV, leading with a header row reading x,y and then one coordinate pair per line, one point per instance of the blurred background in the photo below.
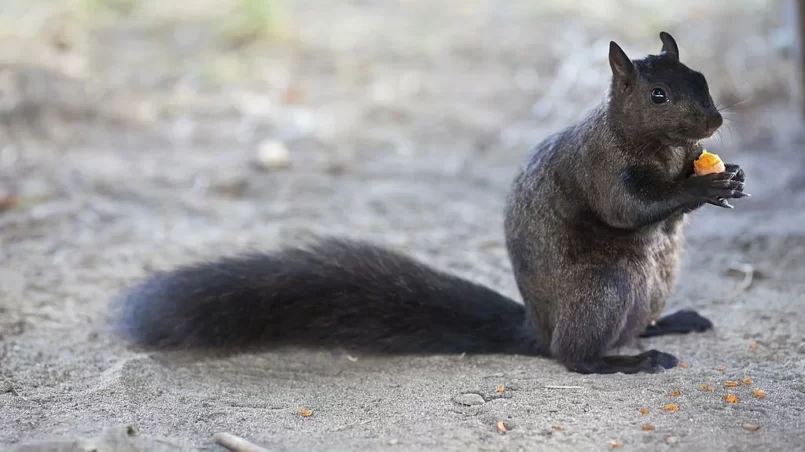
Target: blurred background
x,y
323,76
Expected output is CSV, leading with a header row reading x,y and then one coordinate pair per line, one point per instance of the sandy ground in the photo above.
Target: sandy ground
x,y
397,144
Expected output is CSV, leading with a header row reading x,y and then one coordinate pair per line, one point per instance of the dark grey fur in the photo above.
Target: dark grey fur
x,y
593,228
594,221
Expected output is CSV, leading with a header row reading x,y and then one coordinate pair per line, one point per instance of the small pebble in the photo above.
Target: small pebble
x,y
469,399
273,154
229,183
751,427
671,439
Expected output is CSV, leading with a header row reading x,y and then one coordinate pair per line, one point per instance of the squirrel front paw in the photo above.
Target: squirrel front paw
x,y
737,170
717,188
739,176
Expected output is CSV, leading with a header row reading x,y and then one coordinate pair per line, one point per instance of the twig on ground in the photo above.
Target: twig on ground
x,y
236,443
748,271
355,424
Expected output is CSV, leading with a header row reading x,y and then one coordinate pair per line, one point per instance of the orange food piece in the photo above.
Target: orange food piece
x,y
499,388
674,393
753,345
683,364
501,426
643,411
648,427
730,383
304,412
746,381
730,398
708,163
558,428
614,444
670,407
759,392
706,387
721,368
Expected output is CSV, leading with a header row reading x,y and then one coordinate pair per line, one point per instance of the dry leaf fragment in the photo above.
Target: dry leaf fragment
x,y
304,412
721,368
8,202
753,345
759,392
670,407
501,426
706,387
648,427
683,364
746,381
614,444
676,392
751,427
293,95
558,428
643,411
500,388
730,383
730,398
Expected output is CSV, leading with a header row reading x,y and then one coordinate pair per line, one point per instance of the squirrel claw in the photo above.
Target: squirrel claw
x,y
720,202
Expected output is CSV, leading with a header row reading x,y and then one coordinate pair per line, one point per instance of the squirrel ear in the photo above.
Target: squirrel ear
x,y
622,67
669,46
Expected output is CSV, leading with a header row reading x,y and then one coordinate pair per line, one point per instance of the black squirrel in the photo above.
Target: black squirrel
x,y
593,229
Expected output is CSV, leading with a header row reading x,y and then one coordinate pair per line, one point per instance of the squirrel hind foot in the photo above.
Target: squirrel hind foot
x,y
652,361
681,322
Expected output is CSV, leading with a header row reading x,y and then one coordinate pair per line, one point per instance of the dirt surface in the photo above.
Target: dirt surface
x,y
135,150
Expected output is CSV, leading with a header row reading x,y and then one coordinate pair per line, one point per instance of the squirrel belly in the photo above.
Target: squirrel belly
x,y
329,292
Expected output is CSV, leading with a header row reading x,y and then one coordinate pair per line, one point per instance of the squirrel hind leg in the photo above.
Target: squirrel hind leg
x,y
681,322
652,361
583,350
597,318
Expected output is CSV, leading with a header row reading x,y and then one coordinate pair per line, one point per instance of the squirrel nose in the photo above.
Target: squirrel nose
x,y
714,121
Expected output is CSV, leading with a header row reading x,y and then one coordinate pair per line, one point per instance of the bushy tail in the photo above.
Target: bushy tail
x,y
332,292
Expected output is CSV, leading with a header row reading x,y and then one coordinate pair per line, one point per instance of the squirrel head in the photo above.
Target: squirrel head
x,y
658,97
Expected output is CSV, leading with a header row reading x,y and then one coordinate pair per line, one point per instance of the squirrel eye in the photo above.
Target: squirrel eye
x,y
658,96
